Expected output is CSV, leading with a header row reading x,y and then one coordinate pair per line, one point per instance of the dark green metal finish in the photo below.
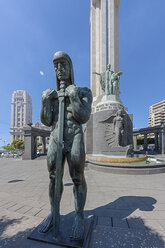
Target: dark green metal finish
x,y
56,214
109,81
66,110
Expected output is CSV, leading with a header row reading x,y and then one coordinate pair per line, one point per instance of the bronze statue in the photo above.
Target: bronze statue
x,y
109,81
66,110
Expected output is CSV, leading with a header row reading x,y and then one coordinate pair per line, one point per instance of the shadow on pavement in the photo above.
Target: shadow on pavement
x,y
117,226
9,237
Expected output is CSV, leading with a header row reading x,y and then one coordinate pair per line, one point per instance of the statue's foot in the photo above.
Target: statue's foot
x,y
77,228
47,224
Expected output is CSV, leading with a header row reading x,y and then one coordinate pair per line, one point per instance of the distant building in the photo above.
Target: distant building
x,y
21,113
157,114
42,126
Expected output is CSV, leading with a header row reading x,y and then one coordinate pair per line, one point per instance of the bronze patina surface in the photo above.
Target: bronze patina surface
x,y
65,110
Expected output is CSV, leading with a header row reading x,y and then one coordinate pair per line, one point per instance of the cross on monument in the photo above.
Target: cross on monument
x,y
104,22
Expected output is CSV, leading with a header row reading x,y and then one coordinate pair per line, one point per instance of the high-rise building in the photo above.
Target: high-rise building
x,y
157,114
21,113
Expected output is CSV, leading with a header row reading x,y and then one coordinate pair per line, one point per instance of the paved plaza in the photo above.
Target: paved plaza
x,y
129,209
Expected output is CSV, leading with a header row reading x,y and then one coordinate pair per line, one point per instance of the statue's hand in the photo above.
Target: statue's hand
x,y
71,91
49,94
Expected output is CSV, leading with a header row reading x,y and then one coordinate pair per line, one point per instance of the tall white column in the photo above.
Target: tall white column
x,y
104,22
103,39
113,34
97,41
93,48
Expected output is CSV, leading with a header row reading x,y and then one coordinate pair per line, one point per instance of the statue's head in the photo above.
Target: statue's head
x,y
119,112
63,68
108,67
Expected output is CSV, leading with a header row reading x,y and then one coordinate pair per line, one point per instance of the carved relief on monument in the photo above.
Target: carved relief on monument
x,y
118,129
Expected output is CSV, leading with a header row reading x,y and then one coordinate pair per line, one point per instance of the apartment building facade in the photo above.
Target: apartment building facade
x,y
157,114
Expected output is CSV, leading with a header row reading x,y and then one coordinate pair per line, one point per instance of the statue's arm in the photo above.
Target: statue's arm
x,y
97,73
81,101
46,114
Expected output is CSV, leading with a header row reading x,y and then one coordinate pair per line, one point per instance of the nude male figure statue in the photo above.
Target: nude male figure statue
x,y
77,111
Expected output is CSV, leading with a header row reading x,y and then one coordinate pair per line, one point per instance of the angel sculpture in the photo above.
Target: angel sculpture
x,y
109,81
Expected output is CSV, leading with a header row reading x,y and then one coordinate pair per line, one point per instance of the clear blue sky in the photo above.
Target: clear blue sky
x,y
31,31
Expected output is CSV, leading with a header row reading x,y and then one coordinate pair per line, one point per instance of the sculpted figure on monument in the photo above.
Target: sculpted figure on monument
x,y
119,128
109,81
66,110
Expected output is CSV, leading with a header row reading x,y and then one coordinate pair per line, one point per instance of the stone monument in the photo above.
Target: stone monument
x,y
65,110
109,130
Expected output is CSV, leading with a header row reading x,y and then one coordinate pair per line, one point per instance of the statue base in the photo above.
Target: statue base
x,y
65,230
99,134
123,151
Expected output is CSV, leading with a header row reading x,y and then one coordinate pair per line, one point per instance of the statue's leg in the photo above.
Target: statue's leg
x,y
51,160
76,162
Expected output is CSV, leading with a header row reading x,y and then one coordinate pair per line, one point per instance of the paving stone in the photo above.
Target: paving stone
x,y
3,202
162,223
154,225
33,211
24,209
107,221
122,203
122,223
160,207
42,214
15,207
106,237
152,215
9,204
135,223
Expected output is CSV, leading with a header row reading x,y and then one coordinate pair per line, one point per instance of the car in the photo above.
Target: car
x,y
8,155
15,155
20,153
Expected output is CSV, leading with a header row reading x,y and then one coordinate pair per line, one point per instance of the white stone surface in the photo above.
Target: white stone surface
x,y
104,22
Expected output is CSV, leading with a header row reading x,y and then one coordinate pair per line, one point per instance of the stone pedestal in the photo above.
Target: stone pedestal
x,y
99,132
65,230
